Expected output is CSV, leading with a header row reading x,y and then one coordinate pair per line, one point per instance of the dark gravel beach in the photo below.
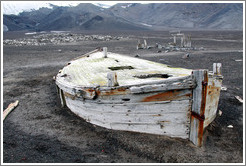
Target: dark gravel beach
x,y
40,131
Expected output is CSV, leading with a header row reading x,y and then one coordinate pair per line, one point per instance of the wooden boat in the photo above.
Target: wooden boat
x,y
125,93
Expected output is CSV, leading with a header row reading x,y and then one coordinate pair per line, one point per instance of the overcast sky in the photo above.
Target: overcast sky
x,y
14,7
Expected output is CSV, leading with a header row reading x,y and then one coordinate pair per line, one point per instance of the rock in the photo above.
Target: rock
x,y
58,38
187,55
220,113
223,88
230,126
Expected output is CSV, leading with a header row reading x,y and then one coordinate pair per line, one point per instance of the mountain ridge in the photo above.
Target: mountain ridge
x,y
130,16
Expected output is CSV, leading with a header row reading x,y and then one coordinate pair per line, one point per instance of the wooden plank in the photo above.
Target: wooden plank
x,y
198,106
145,108
199,100
162,87
194,125
186,81
145,97
170,119
172,107
212,99
10,108
171,130
113,115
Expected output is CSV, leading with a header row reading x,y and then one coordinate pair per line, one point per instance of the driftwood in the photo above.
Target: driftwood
x,y
239,99
10,108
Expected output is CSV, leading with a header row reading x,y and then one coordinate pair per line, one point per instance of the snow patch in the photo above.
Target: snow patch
x,y
102,5
31,33
5,28
129,5
147,25
16,7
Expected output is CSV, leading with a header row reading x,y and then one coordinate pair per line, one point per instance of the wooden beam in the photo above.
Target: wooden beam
x,y
169,84
198,106
10,108
145,44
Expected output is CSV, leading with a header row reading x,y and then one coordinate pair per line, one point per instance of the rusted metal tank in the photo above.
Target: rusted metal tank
x,y
125,93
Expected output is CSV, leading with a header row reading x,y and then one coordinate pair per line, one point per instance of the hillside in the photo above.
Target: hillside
x,y
176,15
130,16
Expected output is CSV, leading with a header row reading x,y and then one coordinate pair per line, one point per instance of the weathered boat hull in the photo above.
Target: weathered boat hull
x,y
157,117
177,107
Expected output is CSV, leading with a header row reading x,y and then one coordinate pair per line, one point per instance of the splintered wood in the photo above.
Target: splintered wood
x,y
10,108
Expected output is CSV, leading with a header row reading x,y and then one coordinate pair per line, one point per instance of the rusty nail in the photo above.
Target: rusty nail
x,y
204,83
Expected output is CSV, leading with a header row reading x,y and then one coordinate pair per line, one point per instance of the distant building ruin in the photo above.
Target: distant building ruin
x,y
184,45
185,41
142,45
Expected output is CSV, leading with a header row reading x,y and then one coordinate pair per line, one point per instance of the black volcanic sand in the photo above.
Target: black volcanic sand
x,y
40,131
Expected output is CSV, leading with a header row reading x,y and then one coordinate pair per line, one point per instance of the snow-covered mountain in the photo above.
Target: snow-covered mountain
x,y
104,5
127,16
17,7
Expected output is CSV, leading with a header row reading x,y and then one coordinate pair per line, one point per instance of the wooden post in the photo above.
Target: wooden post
x,y
145,44
198,106
138,45
182,41
217,68
62,97
105,53
112,79
189,41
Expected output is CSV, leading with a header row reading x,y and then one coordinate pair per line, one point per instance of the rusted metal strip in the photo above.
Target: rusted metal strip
x,y
197,116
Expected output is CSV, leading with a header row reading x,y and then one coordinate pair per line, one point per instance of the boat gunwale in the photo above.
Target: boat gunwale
x,y
73,88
